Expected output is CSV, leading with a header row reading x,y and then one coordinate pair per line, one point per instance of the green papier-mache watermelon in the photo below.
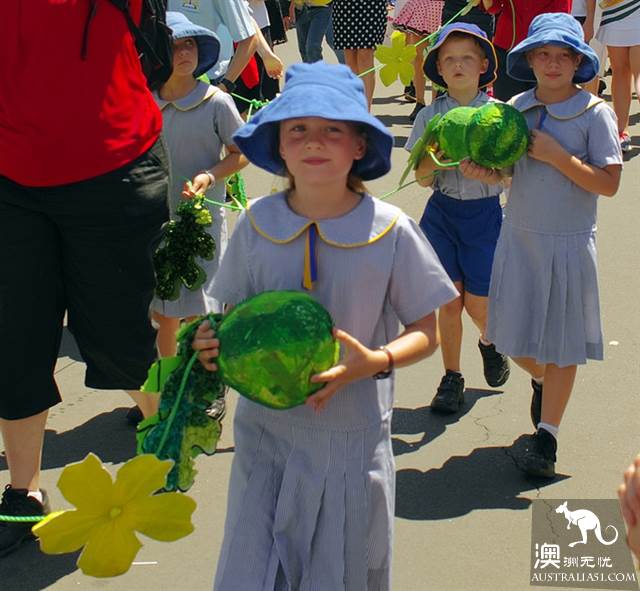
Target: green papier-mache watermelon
x,y
497,135
271,345
451,132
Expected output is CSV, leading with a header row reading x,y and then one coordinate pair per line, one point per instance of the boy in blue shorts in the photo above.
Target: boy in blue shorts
x,y
463,217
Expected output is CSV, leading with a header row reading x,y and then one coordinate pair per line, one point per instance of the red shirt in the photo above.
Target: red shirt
x,y
526,11
64,119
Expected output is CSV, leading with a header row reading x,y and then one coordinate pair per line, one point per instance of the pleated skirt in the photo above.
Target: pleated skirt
x,y
310,508
543,298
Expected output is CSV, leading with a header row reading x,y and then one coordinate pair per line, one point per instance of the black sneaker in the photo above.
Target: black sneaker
x,y
410,93
16,503
496,365
134,416
536,403
217,409
416,110
450,394
538,455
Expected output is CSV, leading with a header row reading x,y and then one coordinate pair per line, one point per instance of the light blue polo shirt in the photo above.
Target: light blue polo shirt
x,y
229,19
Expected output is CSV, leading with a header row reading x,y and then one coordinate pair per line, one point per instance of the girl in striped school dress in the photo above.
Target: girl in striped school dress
x,y
311,496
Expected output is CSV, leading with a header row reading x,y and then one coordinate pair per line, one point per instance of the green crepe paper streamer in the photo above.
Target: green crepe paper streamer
x,y
158,374
236,190
418,151
271,345
184,240
182,429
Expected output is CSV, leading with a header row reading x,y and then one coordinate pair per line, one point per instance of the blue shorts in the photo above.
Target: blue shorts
x,y
464,234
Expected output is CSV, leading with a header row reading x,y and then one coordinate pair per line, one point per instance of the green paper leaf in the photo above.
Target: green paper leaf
x,y
158,374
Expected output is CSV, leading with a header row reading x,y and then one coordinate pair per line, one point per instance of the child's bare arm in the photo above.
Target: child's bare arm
x,y
419,340
230,164
603,181
629,495
489,176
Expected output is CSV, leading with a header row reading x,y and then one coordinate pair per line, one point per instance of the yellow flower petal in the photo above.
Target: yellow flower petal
x,y
388,75
109,551
165,517
384,54
406,72
66,531
87,485
398,40
140,477
408,53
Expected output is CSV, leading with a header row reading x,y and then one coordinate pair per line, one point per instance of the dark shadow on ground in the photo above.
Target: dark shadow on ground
x,y
390,120
68,346
28,569
487,478
399,141
108,435
388,100
413,421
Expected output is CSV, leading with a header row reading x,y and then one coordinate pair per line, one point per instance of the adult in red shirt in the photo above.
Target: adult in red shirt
x,y
512,26
83,197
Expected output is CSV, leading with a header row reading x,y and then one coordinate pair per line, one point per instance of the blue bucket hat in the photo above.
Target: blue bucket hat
x,y
430,66
208,43
553,28
316,90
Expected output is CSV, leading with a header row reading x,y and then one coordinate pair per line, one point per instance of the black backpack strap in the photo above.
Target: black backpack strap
x,y
141,41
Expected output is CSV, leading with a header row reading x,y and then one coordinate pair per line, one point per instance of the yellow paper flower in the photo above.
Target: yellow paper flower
x,y
397,60
109,513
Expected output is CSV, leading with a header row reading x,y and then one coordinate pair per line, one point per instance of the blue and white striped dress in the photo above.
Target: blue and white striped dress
x,y
311,497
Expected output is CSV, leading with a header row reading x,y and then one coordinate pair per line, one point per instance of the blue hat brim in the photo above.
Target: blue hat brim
x,y
208,42
259,139
553,29
430,63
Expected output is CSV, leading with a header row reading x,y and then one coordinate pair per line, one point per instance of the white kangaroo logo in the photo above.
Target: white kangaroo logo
x,y
586,520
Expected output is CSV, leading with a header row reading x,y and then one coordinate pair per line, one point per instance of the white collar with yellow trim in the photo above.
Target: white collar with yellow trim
x,y
199,94
573,107
369,221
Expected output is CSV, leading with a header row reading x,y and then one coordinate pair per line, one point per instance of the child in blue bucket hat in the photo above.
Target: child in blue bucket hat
x,y
463,216
311,497
544,309
199,121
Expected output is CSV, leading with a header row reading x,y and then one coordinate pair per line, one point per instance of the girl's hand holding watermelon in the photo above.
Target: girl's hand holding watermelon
x,y
205,342
545,148
358,362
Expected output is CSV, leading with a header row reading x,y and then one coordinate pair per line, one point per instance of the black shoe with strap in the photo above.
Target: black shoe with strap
x,y
450,394
538,455
17,503
495,365
536,403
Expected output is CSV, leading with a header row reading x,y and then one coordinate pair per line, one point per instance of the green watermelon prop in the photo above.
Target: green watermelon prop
x,y
451,132
270,346
495,135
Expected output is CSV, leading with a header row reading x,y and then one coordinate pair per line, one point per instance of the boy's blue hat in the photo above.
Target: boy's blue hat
x,y
316,90
430,65
553,28
208,43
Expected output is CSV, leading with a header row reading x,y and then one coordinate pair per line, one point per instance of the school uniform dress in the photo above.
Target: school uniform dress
x,y
359,24
543,300
462,218
311,495
195,130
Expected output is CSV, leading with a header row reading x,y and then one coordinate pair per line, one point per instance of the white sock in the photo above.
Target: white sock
x,y
553,429
36,494
484,341
539,380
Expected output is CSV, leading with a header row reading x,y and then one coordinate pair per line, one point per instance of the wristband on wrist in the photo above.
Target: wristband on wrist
x,y
212,178
387,372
